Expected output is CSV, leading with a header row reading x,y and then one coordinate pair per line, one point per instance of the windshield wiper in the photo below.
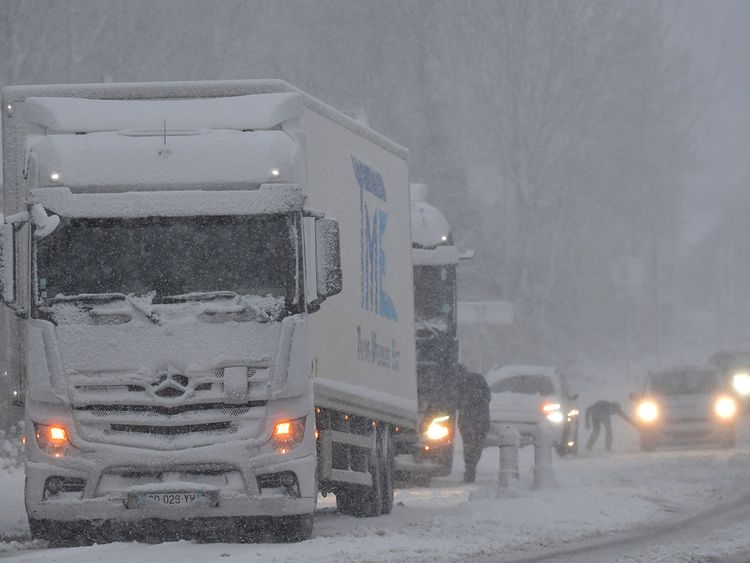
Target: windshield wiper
x,y
199,296
104,297
213,296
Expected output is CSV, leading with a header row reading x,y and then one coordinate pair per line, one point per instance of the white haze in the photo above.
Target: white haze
x,y
557,137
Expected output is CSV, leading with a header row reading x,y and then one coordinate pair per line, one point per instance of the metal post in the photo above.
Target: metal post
x,y
509,441
543,474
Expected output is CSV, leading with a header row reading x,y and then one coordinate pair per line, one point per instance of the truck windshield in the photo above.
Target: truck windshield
x,y
434,297
170,256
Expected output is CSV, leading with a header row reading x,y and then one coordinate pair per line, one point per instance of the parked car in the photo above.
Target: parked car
x,y
524,396
685,405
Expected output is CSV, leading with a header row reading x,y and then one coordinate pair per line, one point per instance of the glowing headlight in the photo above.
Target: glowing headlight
x,y
288,434
555,416
53,440
648,411
725,407
549,407
741,383
574,412
438,429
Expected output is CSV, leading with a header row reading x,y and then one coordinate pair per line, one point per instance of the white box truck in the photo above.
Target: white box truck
x,y
197,341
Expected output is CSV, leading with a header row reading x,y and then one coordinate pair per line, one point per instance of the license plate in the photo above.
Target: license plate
x,y
177,499
172,499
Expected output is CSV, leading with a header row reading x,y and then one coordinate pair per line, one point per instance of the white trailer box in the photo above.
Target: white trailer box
x,y
173,254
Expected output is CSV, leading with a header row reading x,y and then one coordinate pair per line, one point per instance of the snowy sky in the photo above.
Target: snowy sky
x,y
716,34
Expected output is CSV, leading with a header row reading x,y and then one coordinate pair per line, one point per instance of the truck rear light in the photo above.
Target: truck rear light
x,y
288,434
53,440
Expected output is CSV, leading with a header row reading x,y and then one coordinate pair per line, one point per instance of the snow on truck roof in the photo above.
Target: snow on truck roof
x,y
74,115
198,90
430,231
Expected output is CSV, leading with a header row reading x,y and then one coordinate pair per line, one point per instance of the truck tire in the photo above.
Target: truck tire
x,y
364,502
292,529
389,461
62,534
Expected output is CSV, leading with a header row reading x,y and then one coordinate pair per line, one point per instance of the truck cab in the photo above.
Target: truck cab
x,y
166,269
435,257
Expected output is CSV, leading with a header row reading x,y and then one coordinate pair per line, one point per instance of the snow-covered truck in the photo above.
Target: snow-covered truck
x,y
213,316
435,256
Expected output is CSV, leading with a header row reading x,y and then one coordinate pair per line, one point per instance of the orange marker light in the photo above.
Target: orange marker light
x,y
282,430
57,434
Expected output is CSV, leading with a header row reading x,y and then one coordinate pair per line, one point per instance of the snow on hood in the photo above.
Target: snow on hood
x,y
253,112
270,198
143,347
113,161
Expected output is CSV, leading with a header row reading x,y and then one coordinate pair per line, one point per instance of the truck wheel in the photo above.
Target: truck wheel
x,y
289,529
364,501
420,480
388,456
62,534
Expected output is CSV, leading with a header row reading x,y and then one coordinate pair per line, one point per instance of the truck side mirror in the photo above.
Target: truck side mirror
x,y
7,279
328,251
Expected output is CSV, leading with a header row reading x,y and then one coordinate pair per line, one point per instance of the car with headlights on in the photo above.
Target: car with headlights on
x,y
525,396
734,369
685,405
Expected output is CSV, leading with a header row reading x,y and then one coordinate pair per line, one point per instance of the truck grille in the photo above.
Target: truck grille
x,y
171,412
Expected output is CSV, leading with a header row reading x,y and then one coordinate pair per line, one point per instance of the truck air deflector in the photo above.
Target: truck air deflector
x,y
269,199
75,115
148,160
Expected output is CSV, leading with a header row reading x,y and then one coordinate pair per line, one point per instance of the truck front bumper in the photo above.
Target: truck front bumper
x,y
74,488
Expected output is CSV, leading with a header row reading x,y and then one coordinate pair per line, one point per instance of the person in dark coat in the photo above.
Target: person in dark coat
x,y
473,402
600,413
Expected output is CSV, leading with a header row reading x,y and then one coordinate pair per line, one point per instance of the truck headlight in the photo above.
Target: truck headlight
x,y
741,383
438,429
53,440
648,411
725,408
288,434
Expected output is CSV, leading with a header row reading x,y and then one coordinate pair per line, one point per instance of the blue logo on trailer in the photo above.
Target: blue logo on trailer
x,y
374,223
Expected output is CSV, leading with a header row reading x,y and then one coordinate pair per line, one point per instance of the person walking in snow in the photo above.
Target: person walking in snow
x,y
473,402
598,414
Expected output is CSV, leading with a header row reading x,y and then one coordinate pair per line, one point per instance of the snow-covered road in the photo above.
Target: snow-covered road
x,y
599,498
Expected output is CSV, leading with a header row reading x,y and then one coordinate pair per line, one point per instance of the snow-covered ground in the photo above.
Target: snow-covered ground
x,y
596,495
